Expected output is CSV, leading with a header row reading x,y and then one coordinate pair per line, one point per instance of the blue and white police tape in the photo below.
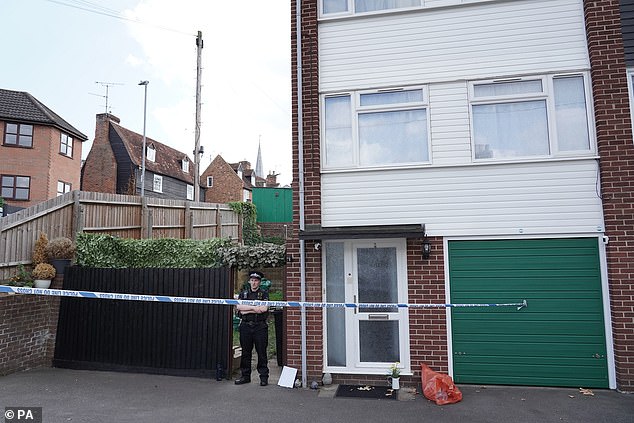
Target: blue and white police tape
x,y
219,301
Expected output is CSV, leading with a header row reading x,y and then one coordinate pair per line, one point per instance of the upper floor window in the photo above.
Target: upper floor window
x,y
18,135
376,128
151,153
63,187
158,183
530,117
210,181
334,8
185,165
66,145
190,192
360,6
15,187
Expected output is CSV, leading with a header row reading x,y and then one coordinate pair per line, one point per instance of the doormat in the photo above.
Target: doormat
x,y
365,391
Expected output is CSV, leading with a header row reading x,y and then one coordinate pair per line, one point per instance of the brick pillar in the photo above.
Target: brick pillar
x,y
312,197
616,151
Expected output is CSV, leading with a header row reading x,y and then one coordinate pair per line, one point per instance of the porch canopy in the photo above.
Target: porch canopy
x,y
316,232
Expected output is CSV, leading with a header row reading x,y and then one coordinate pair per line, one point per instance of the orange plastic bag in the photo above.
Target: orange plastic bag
x,y
439,387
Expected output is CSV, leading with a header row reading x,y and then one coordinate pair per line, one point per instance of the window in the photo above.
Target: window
x,y
361,6
210,181
63,187
16,187
66,145
158,183
376,128
190,192
150,153
530,117
18,135
185,165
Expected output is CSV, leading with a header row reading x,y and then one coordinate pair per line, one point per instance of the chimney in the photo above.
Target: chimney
x,y
271,180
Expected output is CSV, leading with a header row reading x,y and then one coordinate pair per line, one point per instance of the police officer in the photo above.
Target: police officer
x,y
254,330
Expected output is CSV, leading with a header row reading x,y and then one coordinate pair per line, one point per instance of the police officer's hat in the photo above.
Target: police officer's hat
x,y
256,274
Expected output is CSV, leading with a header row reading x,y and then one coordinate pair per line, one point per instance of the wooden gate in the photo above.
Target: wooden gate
x,y
148,337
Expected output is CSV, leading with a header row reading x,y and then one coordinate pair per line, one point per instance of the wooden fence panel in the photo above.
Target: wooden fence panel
x,y
124,216
165,338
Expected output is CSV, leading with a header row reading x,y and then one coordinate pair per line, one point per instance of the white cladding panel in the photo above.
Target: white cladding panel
x,y
449,117
480,40
523,198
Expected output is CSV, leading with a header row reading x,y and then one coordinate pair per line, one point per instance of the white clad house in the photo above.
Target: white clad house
x,y
465,127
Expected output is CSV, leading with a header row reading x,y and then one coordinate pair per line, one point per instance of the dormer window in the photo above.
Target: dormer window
x,y
151,153
185,165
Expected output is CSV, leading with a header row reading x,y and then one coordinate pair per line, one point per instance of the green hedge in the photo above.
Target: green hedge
x,y
108,251
111,252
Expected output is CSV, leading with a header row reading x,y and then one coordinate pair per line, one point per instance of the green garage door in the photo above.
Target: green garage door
x,y
558,340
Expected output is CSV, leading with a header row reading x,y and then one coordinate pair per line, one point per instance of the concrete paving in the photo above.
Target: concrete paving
x,y
89,396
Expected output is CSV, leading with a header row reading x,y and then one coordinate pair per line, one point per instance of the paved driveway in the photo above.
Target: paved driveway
x,y
87,396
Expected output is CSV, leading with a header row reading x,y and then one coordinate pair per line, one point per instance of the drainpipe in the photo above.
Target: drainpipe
x,y
300,157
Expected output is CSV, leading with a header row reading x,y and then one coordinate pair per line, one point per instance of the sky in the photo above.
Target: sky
x,y
69,53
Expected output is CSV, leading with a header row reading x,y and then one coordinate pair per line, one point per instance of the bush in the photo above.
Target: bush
x,y
252,257
43,271
60,248
39,251
21,278
111,252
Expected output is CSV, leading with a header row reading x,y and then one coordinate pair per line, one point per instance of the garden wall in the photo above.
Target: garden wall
x,y
28,326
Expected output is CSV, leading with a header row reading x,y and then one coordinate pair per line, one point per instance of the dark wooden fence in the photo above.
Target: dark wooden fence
x,y
149,337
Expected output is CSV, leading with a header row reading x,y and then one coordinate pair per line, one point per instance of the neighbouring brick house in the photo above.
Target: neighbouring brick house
x,y
224,182
480,153
114,164
40,154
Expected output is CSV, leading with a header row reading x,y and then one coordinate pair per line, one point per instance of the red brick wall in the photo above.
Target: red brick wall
x,y
100,168
42,163
227,186
312,197
28,325
616,149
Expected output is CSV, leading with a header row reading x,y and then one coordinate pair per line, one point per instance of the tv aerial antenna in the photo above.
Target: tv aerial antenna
x,y
107,85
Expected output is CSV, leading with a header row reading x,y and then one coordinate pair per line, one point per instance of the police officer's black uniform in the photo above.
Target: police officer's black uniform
x,y
254,331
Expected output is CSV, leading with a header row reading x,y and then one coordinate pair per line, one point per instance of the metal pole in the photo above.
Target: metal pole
x,y
199,47
143,153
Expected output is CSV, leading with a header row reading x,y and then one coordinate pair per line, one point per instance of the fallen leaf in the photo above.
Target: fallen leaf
x,y
586,391
571,396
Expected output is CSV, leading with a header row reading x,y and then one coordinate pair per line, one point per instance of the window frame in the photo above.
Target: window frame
x,y
210,178
17,134
425,4
548,96
189,192
157,180
356,109
185,165
66,187
14,187
150,156
66,142
630,90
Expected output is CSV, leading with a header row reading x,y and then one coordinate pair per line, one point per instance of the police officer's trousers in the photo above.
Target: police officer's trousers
x,y
254,334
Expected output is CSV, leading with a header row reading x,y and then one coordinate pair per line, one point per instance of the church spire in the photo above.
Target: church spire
x,y
258,164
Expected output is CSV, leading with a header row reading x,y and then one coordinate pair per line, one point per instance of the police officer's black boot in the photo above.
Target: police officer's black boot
x,y
264,381
243,380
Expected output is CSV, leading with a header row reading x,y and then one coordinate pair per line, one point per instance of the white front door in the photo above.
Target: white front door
x,y
366,339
